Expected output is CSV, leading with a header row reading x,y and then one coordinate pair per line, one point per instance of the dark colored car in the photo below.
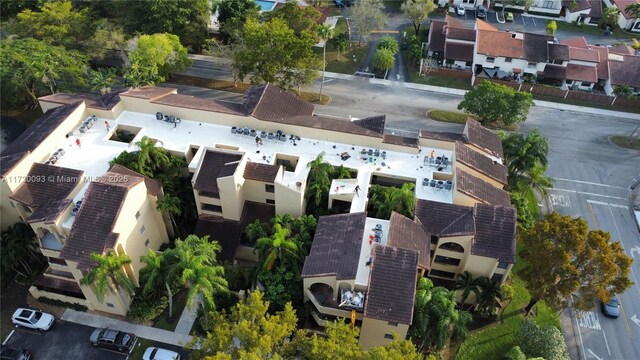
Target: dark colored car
x,y
113,339
481,13
611,309
12,353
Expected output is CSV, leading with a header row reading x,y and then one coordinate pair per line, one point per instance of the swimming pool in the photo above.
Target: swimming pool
x,y
266,5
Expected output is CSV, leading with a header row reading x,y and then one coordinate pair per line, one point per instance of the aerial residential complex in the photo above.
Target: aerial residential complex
x,y
250,161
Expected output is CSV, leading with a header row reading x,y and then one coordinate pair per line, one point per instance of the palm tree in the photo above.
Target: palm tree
x,y
318,179
150,157
18,247
170,205
198,269
159,270
304,229
536,179
108,274
467,284
276,247
633,10
341,42
325,32
102,80
256,230
384,200
491,291
340,172
284,220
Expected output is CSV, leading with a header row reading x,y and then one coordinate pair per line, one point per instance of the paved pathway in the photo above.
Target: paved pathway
x,y
188,317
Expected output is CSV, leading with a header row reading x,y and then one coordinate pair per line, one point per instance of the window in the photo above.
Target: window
x,y
434,239
271,201
585,83
142,230
549,4
508,60
468,63
213,208
146,243
490,59
503,265
451,246
391,323
138,215
443,274
269,188
447,260
388,336
497,277
110,305
57,261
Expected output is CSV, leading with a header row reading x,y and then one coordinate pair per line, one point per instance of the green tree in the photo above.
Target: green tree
x,y
385,199
159,271
282,284
562,257
341,42
490,293
368,15
522,154
389,42
383,60
170,205
417,11
609,17
108,275
31,68
318,180
107,37
523,214
536,180
435,318
256,230
139,74
623,91
103,79
467,284
542,342
150,156
633,10
247,332
277,247
199,271
18,249
493,102
299,19
233,14
515,354
57,23
161,51
325,32
508,292
552,27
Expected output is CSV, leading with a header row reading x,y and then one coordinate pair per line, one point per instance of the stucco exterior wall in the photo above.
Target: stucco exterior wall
x,y
373,332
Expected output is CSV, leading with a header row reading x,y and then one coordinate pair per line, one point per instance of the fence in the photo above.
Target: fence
x,y
545,90
590,98
458,74
510,84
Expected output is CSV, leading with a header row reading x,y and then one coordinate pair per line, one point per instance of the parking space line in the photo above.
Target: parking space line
x,y
607,204
589,183
534,24
593,216
588,193
8,337
584,355
606,342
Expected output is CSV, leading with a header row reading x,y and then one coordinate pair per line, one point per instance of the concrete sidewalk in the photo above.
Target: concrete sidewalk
x,y
145,332
188,317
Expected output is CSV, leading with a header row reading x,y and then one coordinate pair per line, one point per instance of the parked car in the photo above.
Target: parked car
x,y
460,9
12,353
481,13
113,339
339,3
154,353
611,309
508,16
32,319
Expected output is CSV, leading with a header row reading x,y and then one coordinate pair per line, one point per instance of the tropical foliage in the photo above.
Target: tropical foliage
x,y
467,284
526,160
609,17
544,342
368,15
233,14
417,11
154,57
108,275
321,174
493,102
325,32
383,200
18,251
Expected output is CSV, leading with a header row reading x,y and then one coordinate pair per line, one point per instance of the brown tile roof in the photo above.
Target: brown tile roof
x,y
148,92
582,73
596,8
198,103
436,35
445,220
576,42
495,232
410,234
496,43
552,71
95,101
34,136
331,124
442,136
215,164
154,187
584,54
92,229
482,163
453,22
536,47
253,211
226,232
625,72
336,247
49,212
269,102
483,25
622,5
373,123
49,183
484,138
461,34
400,140
559,52
458,51
622,49
261,172
480,189
603,65
392,285
579,5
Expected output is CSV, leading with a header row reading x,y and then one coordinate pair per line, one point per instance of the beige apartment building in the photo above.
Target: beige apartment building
x,y
249,161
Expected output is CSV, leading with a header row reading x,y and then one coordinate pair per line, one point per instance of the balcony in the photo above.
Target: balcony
x,y
50,242
321,296
59,274
67,288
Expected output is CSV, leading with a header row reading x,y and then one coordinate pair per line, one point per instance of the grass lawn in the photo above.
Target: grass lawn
x,y
141,346
624,142
344,63
595,30
448,116
179,303
532,203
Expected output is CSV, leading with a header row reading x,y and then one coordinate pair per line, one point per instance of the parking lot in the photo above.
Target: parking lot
x,y
519,23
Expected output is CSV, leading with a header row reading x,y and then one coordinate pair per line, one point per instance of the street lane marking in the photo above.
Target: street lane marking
x,y
588,193
8,337
635,319
594,355
593,216
606,342
589,320
579,332
560,200
607,204
624,317
589,183
633,274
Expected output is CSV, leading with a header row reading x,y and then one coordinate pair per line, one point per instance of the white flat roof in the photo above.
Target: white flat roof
x,y
368,242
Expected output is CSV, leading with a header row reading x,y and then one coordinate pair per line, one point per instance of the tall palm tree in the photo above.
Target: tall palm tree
x,y
325,32
198,269
319,180
256,230
536,179
491,291
276,247
170,205
284,220
150,157
467,284
159,270
384,200
18,247
108,274
304,229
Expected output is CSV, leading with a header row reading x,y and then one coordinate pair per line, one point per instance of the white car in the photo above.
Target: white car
x,y
154,353
32,319
460,9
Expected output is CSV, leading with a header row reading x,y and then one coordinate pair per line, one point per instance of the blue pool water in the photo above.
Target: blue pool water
x,y
266,5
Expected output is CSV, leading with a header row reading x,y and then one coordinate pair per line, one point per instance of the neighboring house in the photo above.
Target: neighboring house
x,y
624,71
582,11
626,20
249,161
469,4
450,43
